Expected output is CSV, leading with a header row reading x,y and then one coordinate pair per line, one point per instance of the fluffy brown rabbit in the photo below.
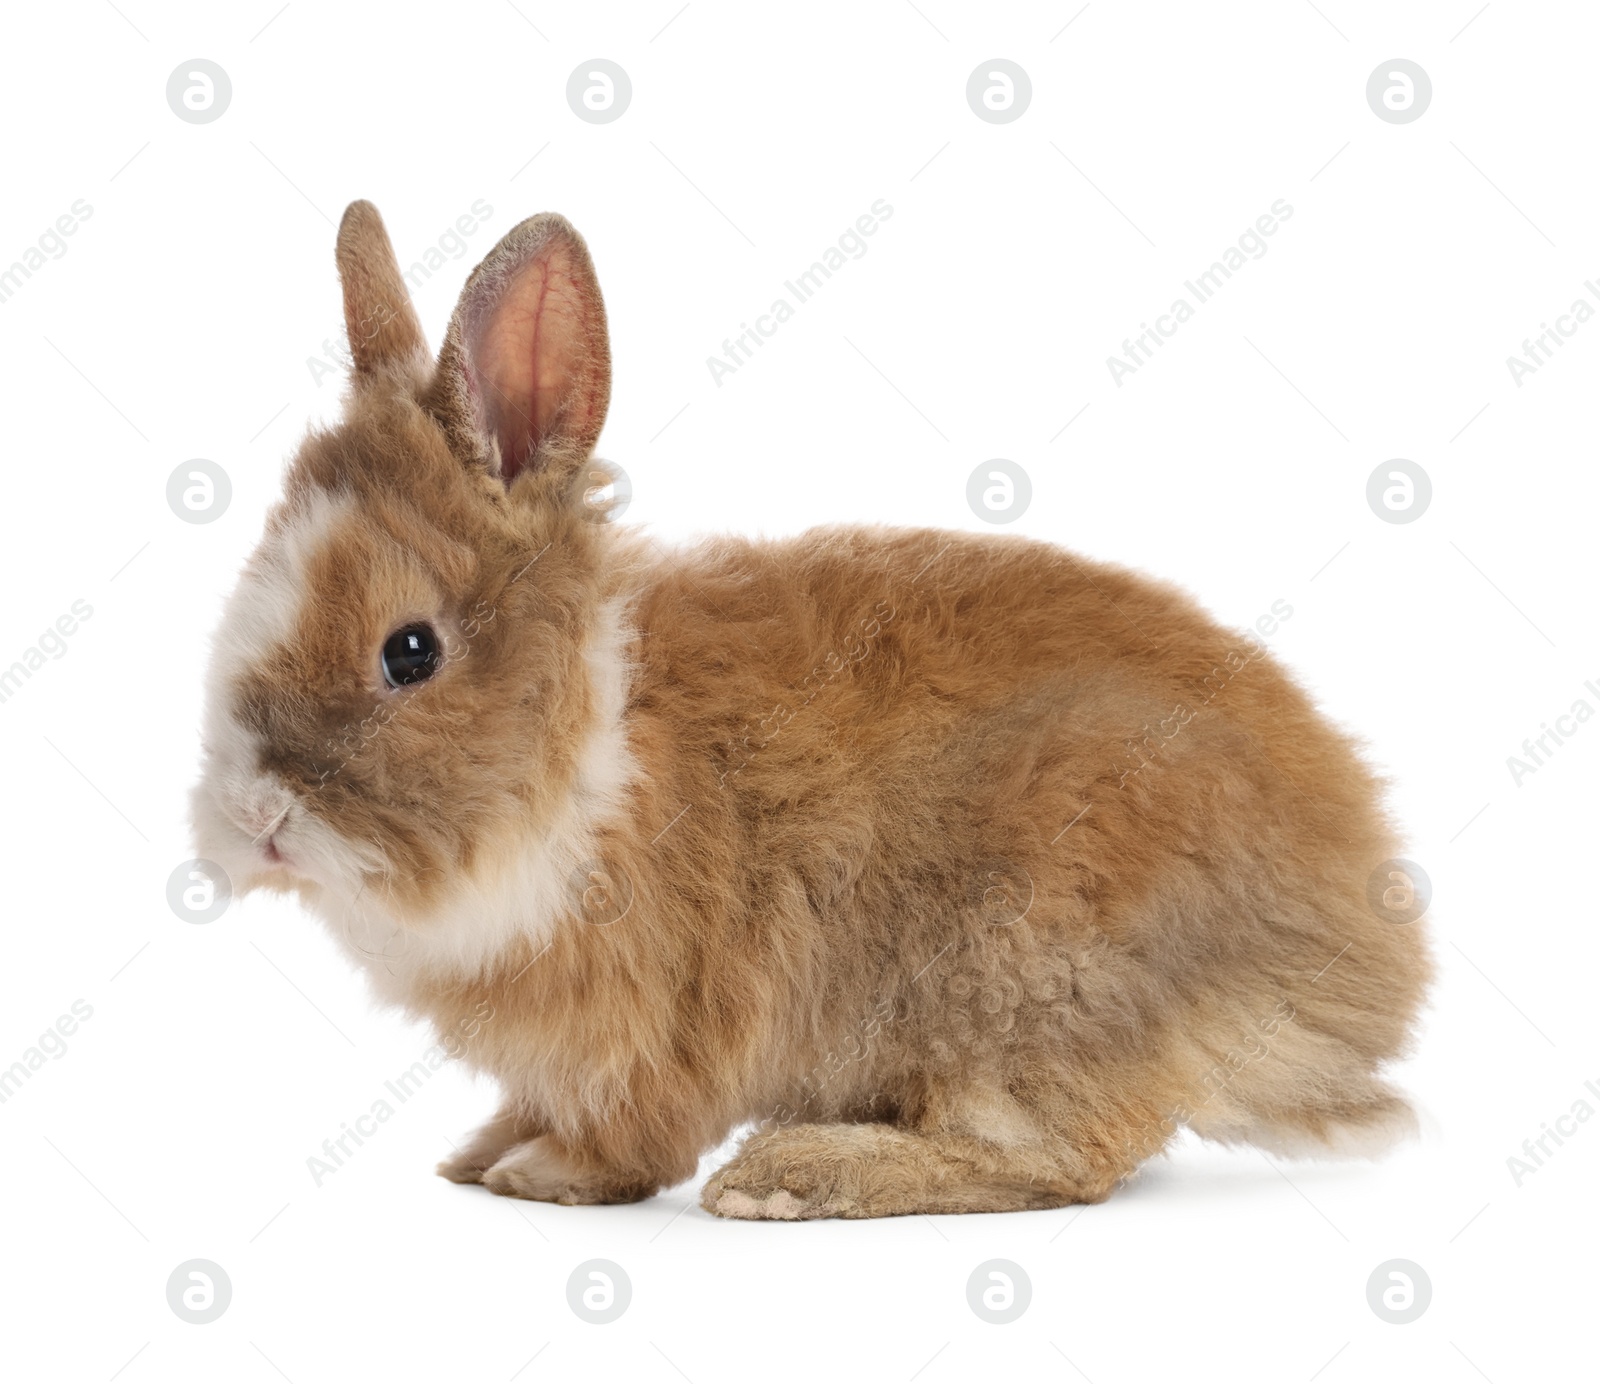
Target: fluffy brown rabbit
x,y
965,868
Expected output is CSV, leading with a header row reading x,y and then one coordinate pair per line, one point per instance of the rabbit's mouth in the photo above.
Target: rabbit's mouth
x,y
267,837
269,848
295,843
270,827
261,841
258,829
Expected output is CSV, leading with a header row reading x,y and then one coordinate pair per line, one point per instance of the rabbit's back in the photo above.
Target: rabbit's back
x,y
1045,811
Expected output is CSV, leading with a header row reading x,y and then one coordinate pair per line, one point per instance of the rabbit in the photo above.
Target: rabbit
x,y
960,871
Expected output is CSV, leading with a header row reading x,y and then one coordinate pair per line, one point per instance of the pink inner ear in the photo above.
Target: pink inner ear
x,y
529,356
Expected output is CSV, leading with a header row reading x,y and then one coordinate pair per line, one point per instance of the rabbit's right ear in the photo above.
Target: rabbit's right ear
x,y
524,377
381,323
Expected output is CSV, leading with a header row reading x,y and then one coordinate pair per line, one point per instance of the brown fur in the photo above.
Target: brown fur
x,y
968,868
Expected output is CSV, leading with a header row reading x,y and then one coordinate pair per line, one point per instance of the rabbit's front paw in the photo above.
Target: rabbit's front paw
x,y
539,1171
461,1167
486,1148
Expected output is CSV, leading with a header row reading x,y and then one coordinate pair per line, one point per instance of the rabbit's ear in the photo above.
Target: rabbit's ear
x,y
525,373
378,316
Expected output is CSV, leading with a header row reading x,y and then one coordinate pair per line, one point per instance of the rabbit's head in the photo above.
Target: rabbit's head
x,y
405,681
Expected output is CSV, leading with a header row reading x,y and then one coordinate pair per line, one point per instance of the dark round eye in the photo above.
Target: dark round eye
x,y
411,655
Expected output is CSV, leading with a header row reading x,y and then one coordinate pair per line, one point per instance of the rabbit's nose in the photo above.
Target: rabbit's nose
x,y
265,823
261,808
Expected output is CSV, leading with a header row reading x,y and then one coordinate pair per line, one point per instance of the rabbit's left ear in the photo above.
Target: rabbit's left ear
x,y
524,377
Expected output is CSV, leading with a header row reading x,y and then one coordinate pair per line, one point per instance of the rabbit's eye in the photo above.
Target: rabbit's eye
x,y
411,655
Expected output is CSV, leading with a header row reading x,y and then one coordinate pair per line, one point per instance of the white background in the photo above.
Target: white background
x,y
179,324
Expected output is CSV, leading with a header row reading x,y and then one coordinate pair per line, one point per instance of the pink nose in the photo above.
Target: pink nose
x,y
265,819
